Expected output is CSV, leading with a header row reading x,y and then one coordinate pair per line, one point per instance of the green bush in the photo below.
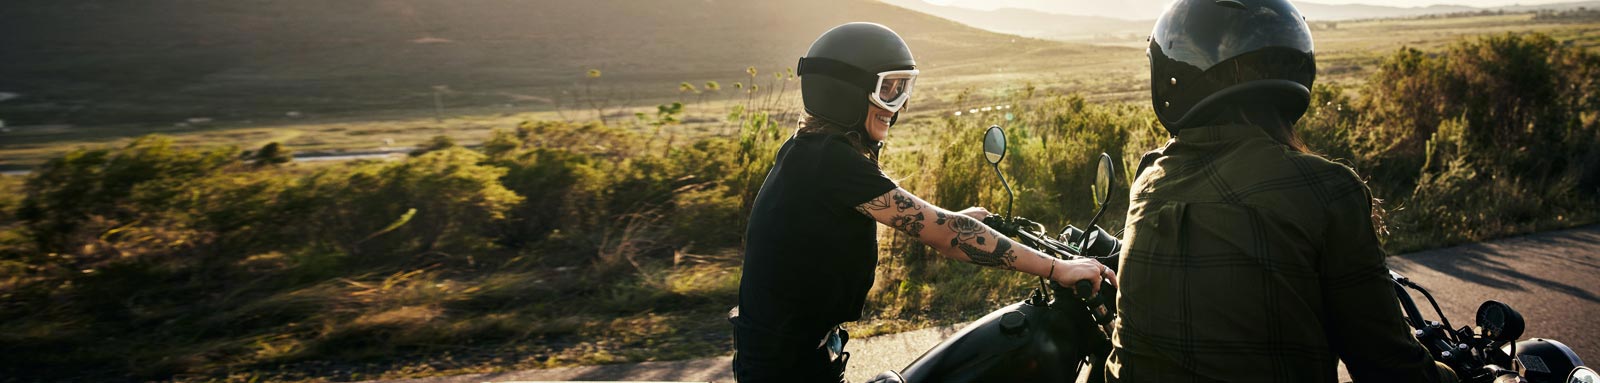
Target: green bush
x,y
11,192
106,188
437,143
154,260
1527,103
1496,136
14,245
548,179
608,197
442,201
272,153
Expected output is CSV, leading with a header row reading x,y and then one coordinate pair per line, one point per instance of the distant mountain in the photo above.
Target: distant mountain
x,y
1552,7
1149,9
1336,12
156,60
1115,9
1031,23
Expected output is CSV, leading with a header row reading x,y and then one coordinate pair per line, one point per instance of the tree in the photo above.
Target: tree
x,y
272,154
437,143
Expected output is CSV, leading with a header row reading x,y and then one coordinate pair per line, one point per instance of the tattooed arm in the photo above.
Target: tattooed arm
x,y
964,237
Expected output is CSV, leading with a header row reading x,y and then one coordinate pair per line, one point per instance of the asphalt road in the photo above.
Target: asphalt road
x,y
1552,278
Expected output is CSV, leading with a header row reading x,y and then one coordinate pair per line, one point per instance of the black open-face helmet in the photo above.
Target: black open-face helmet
x,y
854,65
1210,53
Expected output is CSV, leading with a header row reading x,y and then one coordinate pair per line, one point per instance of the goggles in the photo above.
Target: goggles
x,y
888,90
894,89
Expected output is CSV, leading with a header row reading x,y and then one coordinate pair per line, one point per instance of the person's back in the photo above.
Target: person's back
x,y
1247,258
1250,261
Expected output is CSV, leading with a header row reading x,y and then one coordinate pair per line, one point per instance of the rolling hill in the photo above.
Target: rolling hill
x,y
159,61
1325,10
1336,12
1132,20
1033,23
1069,18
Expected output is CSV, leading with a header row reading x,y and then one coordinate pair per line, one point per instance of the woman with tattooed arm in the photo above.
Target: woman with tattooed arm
x,y
811,245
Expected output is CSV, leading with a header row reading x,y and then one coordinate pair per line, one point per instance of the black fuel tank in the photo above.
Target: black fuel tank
x,y
1020,342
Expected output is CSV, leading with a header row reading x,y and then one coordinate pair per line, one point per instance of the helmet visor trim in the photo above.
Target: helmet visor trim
x,y
893,89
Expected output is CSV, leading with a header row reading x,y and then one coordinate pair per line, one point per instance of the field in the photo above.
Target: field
x,y
1108,71
552,239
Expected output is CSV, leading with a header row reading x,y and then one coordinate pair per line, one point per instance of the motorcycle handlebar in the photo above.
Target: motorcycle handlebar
x,y
1085,289
1100,245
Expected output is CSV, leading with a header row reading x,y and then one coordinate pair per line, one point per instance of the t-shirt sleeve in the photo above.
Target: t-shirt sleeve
x,y
847,178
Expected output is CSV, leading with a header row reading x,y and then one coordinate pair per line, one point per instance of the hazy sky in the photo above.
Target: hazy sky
x,y
1043,4
1424,3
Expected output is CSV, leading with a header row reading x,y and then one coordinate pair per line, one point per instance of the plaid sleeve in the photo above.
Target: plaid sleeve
x,y
1363,315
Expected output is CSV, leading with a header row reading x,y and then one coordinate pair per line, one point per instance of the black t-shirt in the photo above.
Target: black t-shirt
x,y
809,255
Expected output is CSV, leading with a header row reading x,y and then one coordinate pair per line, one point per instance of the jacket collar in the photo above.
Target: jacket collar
x,y
1220,133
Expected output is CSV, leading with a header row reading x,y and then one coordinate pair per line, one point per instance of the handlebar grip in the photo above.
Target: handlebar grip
x,y
1084,289
1000,224
993,220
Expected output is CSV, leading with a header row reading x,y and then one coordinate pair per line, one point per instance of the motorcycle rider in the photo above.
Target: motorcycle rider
x,y
1249,258
811,245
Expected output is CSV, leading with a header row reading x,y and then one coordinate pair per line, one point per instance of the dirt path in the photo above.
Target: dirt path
x,y
1550,277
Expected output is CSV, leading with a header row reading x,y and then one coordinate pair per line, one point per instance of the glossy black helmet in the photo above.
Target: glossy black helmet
x,y
847,64
1210,53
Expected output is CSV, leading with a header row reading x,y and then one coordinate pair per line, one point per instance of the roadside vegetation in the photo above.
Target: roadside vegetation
x,y
559,243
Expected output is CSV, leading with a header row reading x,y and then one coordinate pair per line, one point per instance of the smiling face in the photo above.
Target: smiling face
x,y
878,122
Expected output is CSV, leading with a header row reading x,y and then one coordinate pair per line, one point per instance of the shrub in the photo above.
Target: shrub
x,y
606,197
111,187
11,192
500,144
547,178
272,154
192,262
456,200
1527,102
1496,136
437,143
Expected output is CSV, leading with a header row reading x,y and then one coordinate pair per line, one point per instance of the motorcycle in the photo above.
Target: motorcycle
x,y
1061,334
1490,352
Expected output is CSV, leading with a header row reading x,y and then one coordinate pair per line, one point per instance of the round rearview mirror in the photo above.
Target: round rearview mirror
x,y
1583,375
1103,178
1499,322
994,144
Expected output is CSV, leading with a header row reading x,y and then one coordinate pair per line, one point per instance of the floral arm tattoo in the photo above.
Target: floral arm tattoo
x,y
968,235
968,230
904,221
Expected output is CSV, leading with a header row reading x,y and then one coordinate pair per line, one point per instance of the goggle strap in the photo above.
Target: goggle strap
x,y
867,81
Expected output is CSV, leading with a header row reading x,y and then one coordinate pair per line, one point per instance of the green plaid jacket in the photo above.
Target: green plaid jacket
x,y
1249,262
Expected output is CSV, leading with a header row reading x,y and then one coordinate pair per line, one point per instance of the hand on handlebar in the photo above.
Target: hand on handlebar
x,y
1068,272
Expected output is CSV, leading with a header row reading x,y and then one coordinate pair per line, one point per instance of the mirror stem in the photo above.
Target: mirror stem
x,y
1009,195
1092,222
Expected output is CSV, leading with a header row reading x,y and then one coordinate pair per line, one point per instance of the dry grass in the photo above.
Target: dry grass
x,y
1111,71
312,314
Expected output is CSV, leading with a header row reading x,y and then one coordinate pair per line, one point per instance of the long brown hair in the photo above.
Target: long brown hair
x,y
810,124
1269,120
1281,129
